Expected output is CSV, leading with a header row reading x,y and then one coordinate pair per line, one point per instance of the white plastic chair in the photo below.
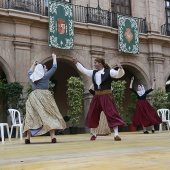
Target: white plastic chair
x,y
2,125
165,116
16,122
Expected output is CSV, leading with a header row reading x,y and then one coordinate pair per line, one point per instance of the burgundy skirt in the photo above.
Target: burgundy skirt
x,y
106,104
145,115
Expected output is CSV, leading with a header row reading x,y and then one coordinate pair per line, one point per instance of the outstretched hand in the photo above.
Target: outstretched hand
x,y
33,66
119,65
131,82
74,60
53,55
35,63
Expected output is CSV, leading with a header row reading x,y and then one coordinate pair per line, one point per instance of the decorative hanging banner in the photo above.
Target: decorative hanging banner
x,y
61,26
128,34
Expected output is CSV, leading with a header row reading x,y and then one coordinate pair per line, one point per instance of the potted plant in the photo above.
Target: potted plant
x,y
118,90
129,112
75,91
168,100
11,95
160,99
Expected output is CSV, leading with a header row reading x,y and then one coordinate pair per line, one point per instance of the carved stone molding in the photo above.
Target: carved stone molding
x,y
95,52
156,59
22,45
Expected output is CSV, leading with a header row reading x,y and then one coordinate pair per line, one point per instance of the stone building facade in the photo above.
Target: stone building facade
x,y
24,39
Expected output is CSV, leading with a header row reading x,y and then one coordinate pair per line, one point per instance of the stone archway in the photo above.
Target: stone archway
x,y
167,78
65,69
5,73
167,86
139,78
9,75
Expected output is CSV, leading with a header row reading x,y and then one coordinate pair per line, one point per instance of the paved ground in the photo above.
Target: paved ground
x,y
136,151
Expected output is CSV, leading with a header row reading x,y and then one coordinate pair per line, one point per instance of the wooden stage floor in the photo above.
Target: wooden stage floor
x,y
136,151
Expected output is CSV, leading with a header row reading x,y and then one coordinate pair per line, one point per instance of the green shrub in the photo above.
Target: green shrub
x,y
75,91
159,99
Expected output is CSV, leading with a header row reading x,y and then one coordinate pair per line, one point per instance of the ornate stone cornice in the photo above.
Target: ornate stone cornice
x,y
156,59
95,52
22,45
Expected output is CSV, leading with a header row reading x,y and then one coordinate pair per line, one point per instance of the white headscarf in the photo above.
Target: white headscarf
x,y
38,73
142,91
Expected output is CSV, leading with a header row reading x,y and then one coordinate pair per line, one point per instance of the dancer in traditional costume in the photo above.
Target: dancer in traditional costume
x,y
42,114
103,99
144,114
103,128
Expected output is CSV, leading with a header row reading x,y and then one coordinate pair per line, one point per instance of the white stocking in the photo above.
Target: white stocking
x,y
52,134
144,129
93,131
116,131
152,127
28,135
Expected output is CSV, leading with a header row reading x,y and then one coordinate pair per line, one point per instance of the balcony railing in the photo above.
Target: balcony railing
x,y
33,6
81,13
165,29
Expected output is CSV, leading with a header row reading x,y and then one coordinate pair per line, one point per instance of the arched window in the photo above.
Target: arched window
x,y
121,6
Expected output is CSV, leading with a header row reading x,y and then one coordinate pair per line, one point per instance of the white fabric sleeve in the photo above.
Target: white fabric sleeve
x,y
117,73
84,70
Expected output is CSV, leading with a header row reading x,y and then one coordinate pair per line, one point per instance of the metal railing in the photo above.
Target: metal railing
x,y
33,6
165,29
81,13
141,23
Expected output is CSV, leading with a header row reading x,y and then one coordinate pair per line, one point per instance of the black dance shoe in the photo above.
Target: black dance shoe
x,y
54,140
146,132
153,131
27,141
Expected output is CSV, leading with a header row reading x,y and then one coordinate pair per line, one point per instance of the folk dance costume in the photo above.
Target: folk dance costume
x,y
42,114
103,99
144,114
103,128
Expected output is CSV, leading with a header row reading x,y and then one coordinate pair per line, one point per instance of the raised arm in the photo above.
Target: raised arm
x,y
54,59
117,73
153,85
81,68
33,66
131,82
49,73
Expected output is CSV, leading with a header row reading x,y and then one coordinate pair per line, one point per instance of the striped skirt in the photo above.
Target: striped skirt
x,y
42,111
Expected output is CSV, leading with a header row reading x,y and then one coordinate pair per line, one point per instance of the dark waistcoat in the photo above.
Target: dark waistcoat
x,y
105,80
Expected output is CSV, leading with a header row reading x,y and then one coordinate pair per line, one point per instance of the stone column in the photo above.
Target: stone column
x,y
22,52
22,46
154,15
157,69
96,46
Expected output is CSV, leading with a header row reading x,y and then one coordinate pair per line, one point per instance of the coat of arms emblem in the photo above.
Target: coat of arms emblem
x,y
61,26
